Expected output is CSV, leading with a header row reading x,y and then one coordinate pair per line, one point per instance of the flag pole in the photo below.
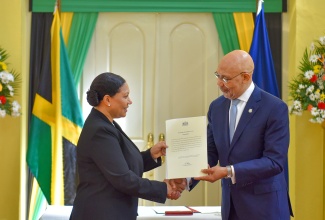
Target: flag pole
x,y
57,6
259,6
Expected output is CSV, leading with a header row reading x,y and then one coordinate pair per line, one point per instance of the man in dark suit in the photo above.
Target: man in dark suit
x,y
250,162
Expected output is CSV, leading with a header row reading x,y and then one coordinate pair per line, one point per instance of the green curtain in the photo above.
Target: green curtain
x,y
156,6
81,33
86,14
227,32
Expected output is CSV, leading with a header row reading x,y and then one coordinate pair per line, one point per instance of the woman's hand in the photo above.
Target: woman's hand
x,y
158,149
178,184
171,193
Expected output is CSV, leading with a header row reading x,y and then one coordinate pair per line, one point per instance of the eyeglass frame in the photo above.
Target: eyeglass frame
x,y
224,79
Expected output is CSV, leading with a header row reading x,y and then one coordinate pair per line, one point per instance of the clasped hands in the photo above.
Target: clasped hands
x,y
175,187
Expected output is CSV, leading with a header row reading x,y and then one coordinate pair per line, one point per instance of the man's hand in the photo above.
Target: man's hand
x,y
214,173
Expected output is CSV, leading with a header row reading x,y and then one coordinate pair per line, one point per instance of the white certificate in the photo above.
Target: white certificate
x,y
186,154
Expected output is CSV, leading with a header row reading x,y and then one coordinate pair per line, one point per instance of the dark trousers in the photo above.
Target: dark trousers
x,y
233,214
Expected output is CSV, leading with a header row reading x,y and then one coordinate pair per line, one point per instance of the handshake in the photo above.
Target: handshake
x,y
175,187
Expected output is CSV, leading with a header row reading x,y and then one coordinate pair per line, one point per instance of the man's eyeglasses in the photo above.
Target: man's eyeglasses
x,y
225,79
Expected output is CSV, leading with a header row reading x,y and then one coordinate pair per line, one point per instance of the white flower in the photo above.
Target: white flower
x,y
296,108
7,85
319,120
314,111
6,77
310,89
302,86
15,106
2,113
309,74
312,46
316,95
322,113
312,97
297,105
322,40
314,58
10,88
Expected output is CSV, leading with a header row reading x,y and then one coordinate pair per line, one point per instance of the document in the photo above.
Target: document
x,y
206,209
186,154
163,209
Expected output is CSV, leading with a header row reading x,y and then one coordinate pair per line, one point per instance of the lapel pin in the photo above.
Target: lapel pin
x,y
250,110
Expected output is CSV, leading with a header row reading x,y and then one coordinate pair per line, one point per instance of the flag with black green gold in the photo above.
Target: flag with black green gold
x,y
55,126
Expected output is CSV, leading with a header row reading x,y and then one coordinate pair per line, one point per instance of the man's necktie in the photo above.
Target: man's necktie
x,y
233,114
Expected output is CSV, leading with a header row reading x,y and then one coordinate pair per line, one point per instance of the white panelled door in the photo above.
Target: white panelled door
x,y
168,60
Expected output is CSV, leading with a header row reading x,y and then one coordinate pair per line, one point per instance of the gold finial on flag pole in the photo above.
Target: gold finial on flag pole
x,y
59,5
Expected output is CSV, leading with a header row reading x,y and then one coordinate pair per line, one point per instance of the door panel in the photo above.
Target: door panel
x,y
168,60
188,52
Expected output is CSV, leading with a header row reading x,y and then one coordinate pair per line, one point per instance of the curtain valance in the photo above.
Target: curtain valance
x,y
155,5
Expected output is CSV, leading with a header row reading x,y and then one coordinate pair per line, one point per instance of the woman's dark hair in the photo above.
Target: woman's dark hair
x,y
104,84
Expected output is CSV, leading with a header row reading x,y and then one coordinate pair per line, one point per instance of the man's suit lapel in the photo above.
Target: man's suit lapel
x,y
251,108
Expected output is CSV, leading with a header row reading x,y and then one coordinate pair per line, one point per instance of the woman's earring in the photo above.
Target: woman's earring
x,y
109,104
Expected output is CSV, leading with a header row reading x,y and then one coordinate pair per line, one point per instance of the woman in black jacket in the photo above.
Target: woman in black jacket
x,y
110,165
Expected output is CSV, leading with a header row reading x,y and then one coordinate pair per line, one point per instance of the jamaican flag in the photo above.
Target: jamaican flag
x,y
55,126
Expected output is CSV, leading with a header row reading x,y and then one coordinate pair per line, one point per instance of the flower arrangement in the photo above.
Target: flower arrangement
x,y
307,89
9,82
